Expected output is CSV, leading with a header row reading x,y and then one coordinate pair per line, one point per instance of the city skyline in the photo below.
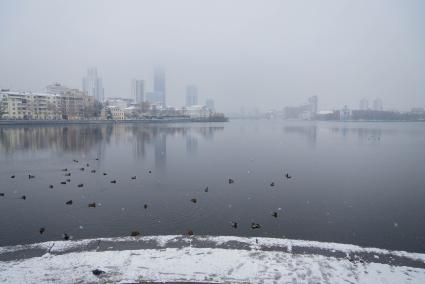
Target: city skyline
x,y
249,62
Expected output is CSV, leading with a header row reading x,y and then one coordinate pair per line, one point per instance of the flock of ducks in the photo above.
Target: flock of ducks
x,y
145,206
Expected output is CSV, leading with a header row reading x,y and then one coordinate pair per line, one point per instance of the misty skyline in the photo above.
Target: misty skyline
x,y
251,54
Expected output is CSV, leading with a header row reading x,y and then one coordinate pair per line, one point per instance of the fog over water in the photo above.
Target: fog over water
x,y
357,183
251,54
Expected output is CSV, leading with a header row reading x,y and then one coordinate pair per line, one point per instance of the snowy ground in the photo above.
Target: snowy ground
x,y
206,259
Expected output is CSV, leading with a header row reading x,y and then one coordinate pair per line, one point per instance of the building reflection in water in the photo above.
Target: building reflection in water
x,y
77,139
93,139
363,134
308,131
192,145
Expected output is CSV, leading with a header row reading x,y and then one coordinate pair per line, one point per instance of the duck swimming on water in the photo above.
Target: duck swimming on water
x,y
255,225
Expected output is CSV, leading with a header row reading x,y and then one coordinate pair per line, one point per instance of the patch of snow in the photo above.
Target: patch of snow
x,y
200,265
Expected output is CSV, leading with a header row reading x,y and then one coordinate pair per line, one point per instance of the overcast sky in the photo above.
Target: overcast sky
x,y
265,53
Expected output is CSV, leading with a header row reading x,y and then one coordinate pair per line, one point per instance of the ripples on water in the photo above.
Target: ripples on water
x,y
359,183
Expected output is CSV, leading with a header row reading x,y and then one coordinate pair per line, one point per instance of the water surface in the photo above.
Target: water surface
x,y
358,183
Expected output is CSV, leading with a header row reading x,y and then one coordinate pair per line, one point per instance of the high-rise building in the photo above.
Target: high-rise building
x,y
138,90
210,104
313,101
159,84
378,105
364,104
191,95
93,85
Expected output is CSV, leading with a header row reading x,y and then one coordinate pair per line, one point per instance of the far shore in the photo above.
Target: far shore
x,y
102,121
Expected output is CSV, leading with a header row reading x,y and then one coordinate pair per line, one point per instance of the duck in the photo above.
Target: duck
x,y
75,161
97,272
42,230
93,171
12,176
63,182
1,193
81,169
68,174
69,202
206,189
23,197
68,180
234,225
145,206
133,177
288,176
105,174
97,159
194,200
66,236
113,181
150,171
80,185
255,225
64,170
92,205
135,233
272,184
274,214
31,176
51,186
87,165
231,181
190,233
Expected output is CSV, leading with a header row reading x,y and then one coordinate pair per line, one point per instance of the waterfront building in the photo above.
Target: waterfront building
x,y
364,104
69,104
313,103
197,111
378,105
210,104
119,102
93,85
113,112
26,105
56,88
306,111
191,95
159,85
154,98
138,90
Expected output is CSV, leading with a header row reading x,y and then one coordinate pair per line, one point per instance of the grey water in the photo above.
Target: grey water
x,y
360,183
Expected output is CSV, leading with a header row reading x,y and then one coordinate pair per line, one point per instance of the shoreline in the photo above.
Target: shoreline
x,y
207,259
90,121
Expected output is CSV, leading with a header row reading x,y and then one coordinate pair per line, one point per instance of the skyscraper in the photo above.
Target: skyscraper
x,y
378,105
93,85
313,101
159,83
364,104
191,95
210,104
138,90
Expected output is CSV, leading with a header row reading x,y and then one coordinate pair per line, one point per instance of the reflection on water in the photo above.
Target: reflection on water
x,y
359,183
88,138
309,132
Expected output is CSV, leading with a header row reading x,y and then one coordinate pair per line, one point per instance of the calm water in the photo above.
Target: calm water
x,y
359,183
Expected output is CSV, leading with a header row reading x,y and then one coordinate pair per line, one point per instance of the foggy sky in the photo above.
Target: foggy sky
x,y
265,54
